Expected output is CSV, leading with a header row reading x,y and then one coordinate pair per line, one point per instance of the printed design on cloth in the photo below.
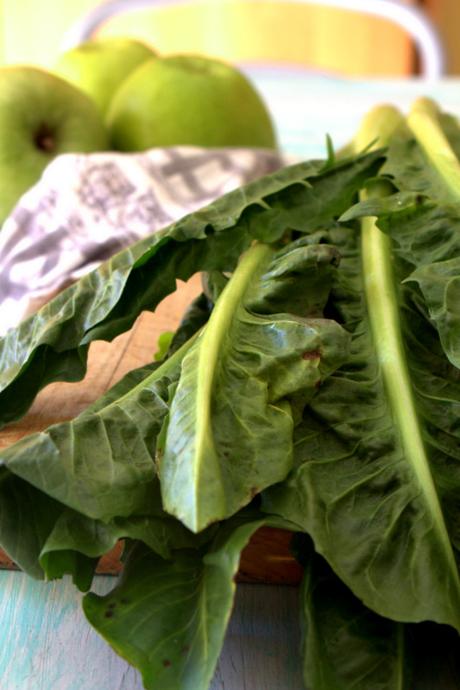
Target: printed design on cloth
x,y
86,207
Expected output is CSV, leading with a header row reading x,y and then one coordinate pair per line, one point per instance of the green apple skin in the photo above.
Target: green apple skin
x,y
41,116
99,67
191,100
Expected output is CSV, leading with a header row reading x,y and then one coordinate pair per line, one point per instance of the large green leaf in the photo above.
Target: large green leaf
x,y
376,481
230,424
161,533
76,542
52,345
345,645
425,237
168,617
27,518
101,463
47,539
422,155
422,161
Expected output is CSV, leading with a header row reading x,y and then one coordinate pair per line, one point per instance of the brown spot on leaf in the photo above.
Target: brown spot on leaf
x,y
166,663
311,354
109,614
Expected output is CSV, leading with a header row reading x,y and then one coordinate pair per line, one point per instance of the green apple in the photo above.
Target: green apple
x,y
99,67
188,99
41,116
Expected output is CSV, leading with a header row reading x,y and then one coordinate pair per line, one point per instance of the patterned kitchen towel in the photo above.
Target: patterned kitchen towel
x,y
87,207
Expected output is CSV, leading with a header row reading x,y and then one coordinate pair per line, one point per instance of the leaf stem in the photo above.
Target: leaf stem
x,y
423,121
217,328
377,128
383,309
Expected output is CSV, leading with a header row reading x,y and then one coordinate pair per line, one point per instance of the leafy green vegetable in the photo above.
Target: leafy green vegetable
x,y
229,429
176,611
313,385
425,124
46,539
344,644
100,463
27,517
52,345
374,484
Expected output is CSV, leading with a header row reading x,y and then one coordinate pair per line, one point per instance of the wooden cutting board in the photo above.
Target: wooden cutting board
x,y
267,557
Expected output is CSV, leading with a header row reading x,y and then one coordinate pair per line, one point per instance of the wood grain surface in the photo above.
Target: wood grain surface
x,y
267,557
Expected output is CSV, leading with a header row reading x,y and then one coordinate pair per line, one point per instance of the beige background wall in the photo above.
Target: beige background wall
x,y
330,39
32,32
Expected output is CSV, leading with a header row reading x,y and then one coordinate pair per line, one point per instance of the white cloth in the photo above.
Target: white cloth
x,y
86,207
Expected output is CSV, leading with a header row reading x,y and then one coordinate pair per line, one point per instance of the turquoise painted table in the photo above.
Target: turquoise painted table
x,y
306,108
45,643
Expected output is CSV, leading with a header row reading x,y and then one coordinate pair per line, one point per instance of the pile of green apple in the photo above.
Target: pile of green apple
x,y
119,94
